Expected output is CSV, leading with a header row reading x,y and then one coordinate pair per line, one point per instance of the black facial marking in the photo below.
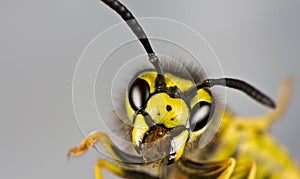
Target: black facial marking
x,y
168,108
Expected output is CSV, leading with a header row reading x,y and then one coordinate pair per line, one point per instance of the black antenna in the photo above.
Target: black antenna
x,y
239,85
137,30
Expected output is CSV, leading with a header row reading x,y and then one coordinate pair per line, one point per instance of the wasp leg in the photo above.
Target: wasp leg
x,y
244,170
127,166
264,121
91,139
121,169
221,169
112,149
101,163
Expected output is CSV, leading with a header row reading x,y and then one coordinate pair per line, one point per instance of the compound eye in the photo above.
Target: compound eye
x,y
200,115
138,93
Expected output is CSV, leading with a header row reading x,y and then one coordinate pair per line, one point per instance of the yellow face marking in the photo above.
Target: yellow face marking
x,y
202,95
140,127
150,77
168,111
180,141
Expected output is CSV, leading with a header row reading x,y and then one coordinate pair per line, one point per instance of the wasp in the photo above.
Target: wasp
x,y
168,112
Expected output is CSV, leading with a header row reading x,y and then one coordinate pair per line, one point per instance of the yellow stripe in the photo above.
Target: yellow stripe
x,y
202,95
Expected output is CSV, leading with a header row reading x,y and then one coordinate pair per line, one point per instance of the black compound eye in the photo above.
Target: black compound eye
x,y
200,115
138,93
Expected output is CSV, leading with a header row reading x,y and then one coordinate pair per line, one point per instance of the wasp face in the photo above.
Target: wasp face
x,y
164,116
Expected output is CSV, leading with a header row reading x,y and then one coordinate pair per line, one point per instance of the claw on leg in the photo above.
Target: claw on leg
x,y
111,148
91,139
75,151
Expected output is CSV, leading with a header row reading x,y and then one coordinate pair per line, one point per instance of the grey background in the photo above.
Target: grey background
x,y
41,41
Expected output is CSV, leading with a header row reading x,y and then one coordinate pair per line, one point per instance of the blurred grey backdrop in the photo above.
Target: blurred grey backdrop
x,y
41,42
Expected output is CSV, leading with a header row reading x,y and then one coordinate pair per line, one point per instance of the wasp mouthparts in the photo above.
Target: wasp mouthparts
x,y
155,132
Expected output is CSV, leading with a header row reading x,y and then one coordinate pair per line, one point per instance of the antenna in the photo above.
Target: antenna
x,y
136,28
239,85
